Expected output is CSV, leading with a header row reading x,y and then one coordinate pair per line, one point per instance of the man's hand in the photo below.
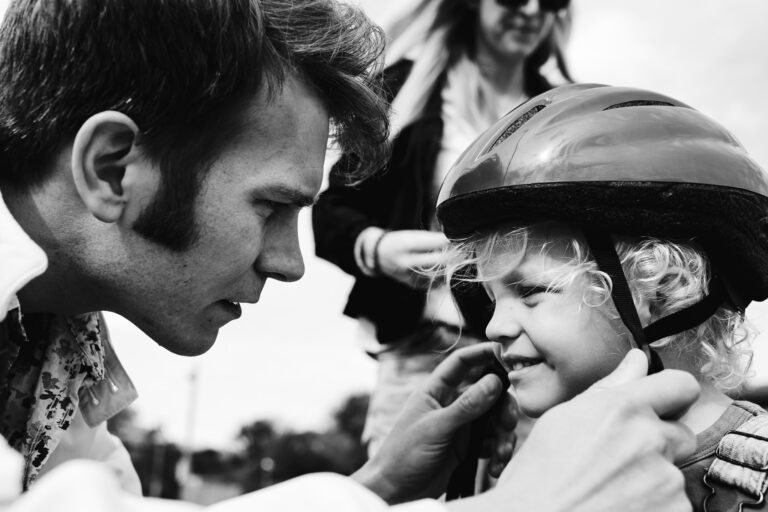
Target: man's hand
x,y
431,434
404,255
605,450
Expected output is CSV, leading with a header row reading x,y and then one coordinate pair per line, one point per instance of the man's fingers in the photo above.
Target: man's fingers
x,y
472,403
499,447
633,367
508,412
680,441
500,455
669,393
452,372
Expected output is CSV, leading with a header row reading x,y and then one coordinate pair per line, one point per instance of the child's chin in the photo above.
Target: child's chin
x,y
532,410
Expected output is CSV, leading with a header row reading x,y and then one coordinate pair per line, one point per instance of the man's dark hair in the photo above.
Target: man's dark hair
x,y
181,69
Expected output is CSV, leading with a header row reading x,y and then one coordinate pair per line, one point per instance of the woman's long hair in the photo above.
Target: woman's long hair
x,y
436,33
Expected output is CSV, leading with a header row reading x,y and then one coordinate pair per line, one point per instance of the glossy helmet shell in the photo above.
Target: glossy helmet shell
x,y
623,160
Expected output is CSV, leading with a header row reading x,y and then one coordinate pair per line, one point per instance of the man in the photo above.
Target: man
x,y
154,159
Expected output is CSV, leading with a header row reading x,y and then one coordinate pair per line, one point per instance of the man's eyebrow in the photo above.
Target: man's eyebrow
x,y
288,195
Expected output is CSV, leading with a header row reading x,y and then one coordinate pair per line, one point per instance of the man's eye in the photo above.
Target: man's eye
x,y
265,207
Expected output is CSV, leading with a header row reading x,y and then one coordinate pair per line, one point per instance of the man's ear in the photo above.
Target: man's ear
x,y
103,147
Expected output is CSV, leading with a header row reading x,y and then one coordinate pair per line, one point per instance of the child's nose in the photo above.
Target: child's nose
x,y
503,327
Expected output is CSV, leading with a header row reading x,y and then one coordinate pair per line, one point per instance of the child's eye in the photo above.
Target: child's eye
x,y
530,291
527,291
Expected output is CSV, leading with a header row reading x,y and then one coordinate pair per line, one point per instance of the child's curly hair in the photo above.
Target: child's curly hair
x,y
668,275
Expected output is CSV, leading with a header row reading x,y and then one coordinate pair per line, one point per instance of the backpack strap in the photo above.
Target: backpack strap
x,y
741,462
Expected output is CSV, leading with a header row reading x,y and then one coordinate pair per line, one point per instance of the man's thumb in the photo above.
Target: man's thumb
x,y
473,402
634,366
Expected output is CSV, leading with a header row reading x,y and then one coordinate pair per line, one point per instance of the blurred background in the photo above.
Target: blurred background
x,y
284,389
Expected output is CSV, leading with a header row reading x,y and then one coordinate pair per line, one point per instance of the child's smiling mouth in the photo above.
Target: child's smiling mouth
x,y
519,363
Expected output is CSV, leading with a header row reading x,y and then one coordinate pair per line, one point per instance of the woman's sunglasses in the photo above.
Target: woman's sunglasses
x,y
544,5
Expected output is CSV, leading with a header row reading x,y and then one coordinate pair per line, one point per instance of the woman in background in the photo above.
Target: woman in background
x,y
453,67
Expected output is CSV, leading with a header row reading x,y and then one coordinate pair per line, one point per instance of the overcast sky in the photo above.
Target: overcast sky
x,y
293,357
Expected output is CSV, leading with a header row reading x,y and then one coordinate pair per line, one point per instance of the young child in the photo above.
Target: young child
x,y
597,219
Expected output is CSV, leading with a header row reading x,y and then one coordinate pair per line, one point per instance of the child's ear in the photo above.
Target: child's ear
x,y
103,147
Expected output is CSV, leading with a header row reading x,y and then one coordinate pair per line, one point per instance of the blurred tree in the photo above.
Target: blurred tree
x,y
273,456
350,420
209,462
270,455
350,417
300,453
259,438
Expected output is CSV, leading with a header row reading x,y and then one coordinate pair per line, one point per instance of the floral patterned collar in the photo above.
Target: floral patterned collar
x,y
49,364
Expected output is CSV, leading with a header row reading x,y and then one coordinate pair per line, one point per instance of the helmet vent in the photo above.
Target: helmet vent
x,y
640,103
512,128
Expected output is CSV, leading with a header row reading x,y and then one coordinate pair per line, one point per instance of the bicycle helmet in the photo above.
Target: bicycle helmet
x,y
623,161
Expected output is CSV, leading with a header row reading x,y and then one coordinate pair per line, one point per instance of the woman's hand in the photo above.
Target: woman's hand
x,y
405,255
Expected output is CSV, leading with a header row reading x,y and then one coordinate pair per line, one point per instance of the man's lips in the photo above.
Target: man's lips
x,y
232,307
249,297
232,303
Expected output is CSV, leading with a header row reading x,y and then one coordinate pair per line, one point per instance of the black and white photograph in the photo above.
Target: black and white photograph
x,y
366,255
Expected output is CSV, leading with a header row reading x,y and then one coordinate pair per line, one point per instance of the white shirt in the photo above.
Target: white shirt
x,y
21,260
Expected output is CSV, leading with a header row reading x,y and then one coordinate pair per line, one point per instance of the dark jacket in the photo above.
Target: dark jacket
x,y
400,196
397,197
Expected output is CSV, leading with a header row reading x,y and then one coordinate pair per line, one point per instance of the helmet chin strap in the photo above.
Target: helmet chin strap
x,y
604,252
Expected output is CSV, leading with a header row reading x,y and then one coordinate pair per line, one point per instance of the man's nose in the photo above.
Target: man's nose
x,y
281,257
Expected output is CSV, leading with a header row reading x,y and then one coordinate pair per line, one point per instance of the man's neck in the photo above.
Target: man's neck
x,y
60,289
